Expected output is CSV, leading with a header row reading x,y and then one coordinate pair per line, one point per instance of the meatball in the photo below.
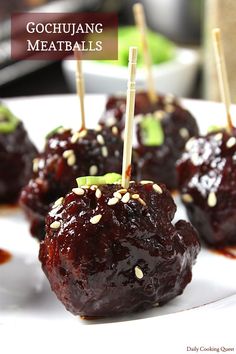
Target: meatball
x,y
207,179
155,161
67,154
110,251
16,155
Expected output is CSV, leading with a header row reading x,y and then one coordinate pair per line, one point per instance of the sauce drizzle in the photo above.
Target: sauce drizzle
x,y
5,256
228,252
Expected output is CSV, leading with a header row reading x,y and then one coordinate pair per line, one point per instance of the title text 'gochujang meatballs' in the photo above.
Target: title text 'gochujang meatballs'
x,y
109,250
67,154
16,155
207,177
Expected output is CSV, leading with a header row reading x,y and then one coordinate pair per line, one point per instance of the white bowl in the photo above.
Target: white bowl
x,y
176,76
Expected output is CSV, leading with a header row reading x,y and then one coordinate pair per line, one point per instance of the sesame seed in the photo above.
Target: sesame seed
x,y
187,198
58,202
157,188
55,225
104,151
141,201
78,191
98,193
93,187
169,98
195,158
114,130
212,200
159,114
113,201
71,160
35,165
135,196
95,219
125,198
117,153
189,144
145,182
82,134
184,133
75,137
117,195
98,128
93,170
122,191
169,108
231,142
111,121
67,153
218,136
100,139
139,118
138,272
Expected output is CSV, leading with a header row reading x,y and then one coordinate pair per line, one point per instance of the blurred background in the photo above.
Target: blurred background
x,y
182,51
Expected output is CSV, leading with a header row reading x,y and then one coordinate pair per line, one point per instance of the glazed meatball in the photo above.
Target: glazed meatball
x,y
111,251
156,161
207,179
16,155
67,154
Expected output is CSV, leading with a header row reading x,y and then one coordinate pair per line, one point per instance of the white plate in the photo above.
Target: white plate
x,y
26,301
176,76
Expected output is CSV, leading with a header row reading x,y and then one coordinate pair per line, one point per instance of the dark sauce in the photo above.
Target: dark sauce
x,y
227,252
5,256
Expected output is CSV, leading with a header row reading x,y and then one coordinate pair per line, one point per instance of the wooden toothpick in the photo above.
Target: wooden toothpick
x,y
140,21
222,75
130,100
80,90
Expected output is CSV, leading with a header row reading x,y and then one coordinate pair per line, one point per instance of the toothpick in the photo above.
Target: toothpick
x,y
140,21
127,153
80,90
222,75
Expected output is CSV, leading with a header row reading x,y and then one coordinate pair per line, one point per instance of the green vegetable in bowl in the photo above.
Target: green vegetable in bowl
x,y
8,122
161,49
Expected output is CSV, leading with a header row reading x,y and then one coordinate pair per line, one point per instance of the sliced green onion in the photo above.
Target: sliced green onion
x,y
109,178
54,131
214,129
8,122
152,133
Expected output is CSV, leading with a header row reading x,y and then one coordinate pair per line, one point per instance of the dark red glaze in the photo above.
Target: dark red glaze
x,y
91,267
16,155
5,256
227,252
209,166
116,105
156,163
55,177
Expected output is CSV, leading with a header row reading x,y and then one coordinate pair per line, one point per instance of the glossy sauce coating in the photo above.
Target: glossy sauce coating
x,y
104,259
63,160
16,155
5,256
155,162
207,178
